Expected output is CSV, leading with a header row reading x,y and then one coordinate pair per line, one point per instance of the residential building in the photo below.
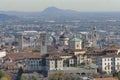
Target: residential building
x,y
54,63
109,63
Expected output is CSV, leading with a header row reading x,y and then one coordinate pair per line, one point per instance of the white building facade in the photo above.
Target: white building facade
x,y
109,63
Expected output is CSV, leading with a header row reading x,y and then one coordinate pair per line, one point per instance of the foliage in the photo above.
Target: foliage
x,y
62,76
34,78
19,75
22,78
36,50
112,46
95,75
90,48
104,72
83,64
116,74
4,75
4,78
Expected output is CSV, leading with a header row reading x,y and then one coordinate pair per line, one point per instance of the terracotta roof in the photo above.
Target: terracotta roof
x,y
65,54
28,49
11,64
61,53
111,49
53,57
111,55
94,52
33,55
77,50
106,79
17,56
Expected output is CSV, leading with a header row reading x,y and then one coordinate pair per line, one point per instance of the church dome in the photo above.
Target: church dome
x,y
74,39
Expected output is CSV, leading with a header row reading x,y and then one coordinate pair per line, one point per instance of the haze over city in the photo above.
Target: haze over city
x,y
79,5
59,39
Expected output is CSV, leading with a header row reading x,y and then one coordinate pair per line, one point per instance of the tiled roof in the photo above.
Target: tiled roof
x,y
33,55
94,52
16,56
11,64
111,55
60,53
111,49
53,57
77,50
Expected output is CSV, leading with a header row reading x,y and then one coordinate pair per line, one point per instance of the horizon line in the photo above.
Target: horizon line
x,y
99,11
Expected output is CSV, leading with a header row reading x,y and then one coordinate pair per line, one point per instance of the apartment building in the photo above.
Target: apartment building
x,y
109,63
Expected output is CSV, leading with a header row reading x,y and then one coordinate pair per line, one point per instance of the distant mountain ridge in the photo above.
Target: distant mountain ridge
x,y
56,13
53,13
7,17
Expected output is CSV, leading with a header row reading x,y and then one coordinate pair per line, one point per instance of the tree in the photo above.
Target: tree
x,y
23,78
34,78
95,75
2,74
20,71
4,78
116,74
90,48
62,76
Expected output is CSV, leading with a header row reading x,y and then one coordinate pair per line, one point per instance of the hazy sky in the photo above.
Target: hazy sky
x,y
80,5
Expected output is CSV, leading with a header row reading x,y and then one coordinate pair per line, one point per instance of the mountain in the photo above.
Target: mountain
x,y
4,17
50,13
55,13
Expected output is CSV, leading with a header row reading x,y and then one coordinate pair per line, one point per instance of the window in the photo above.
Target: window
x,y
117,67
77,45
105,59
117,63
105,68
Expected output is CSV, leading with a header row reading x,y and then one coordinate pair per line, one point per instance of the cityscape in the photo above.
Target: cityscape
x,y
58,43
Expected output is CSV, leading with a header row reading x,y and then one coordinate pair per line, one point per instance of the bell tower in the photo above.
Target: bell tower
x,y
75,43
43,42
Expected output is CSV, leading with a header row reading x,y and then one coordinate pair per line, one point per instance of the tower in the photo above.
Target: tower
x,y
43,42
75,43
94,37
20,42
63,40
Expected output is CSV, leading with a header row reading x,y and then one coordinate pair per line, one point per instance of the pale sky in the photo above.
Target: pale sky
x,y
79,5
